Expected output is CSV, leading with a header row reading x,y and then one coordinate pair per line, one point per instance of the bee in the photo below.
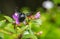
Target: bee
x,y
19,17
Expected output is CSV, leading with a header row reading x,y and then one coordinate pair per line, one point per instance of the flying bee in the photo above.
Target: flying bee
x,y
19,17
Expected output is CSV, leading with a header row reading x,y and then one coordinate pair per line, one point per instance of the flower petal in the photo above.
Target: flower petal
x,y
17,22
37,15
15,17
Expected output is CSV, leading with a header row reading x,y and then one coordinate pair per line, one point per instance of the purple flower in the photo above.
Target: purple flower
x,y
19,17
15,17
37,15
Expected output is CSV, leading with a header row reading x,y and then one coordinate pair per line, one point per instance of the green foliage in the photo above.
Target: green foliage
x,y
25,10
49,24
56,1
2,23
8,18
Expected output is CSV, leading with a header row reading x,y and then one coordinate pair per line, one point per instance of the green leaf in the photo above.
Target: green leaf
x,y
9,18
6,36
1,35
35,26
2,23
10,28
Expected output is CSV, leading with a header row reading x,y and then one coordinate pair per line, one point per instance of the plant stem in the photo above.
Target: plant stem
x,y
32,34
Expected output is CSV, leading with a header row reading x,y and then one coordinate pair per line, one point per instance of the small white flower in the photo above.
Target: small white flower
x,y
47,4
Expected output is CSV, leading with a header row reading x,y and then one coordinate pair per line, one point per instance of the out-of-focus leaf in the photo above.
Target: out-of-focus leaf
x,y
9,18
1,35
27,36
56,1
45,27
31,32
53,33
1,38
25,10
57,18
34,26
56,30
2,23
10,28
1,17
6,36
